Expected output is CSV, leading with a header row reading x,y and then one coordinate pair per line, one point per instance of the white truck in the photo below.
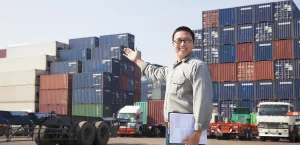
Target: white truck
x,y
274,123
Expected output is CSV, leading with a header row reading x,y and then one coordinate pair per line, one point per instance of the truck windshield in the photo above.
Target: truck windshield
x,y
273,110
130,116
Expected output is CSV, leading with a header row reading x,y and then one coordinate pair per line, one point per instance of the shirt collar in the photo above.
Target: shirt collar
x,y
184,60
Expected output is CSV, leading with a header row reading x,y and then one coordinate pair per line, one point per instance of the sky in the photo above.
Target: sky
x,y
152,22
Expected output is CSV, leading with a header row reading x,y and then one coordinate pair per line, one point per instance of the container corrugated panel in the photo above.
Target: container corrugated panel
x,y
91,110
66,67
210,19
100,53
297,48
137,72
130,70
76,54
155,112
60,109
97,66
227,35
264,70
87,42
227,16
124,39
2,53
116,98
227,72
245,14
144,107
130,98
246,104
130,84
197,51
211,54
284,89
115,80
297,68
245,33
214,71
92,80
210,37
19,106
297,28
228,91
58,96
284,10
92,96
283,49
123,82
245,52
298,105
264,12
264,51
283,30
264,89
216,91
246,90
227,53
137,96
227,108
117,52
263,31
16,78
246,71
56,81
123,97
284,69
198,37
297,90
19,93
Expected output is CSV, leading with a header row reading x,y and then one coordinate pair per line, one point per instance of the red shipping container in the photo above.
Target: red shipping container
x,y
227,72
283,49
214,71
61,96
210,19
59,109
123,82
2,53
155,112
137,97
55,81
245,52
137,86
137,72
264,70
246,71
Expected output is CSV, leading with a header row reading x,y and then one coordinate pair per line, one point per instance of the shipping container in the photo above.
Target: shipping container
x,y
70,67
284,69
215,72
130,84
283,49
86,42
123,85
60,109
227,16
216,91
75,54
50,48
297,28
116,98
210,37
246,71
91,110
198,38
264,12
117,52
226,107
155,112
297,68
245,14
144,107
124,39
137,72
197,51
227,72
115,80
56,81
263,51
283,30
297,107
227,53
158,91
123,97
211,54
263,31
26,93
284,89
92,80
146,97
137,96
92,96
246,90
89,66
296,89
228,91
297,48
20,106
57,96
130,70
2,53
41,62
264,89
245,33
246,104
284,10
264,70
210,19
227,35
245,52
130,98
16,78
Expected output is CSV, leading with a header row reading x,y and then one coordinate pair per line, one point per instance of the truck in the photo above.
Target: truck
x,y
275,122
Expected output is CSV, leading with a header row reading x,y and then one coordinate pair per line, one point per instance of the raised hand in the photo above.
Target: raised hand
x,y
132,55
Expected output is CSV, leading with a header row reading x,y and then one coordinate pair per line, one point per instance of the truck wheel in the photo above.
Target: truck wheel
x,y
40,134
140,133
85,133
261,138
157,132
102,133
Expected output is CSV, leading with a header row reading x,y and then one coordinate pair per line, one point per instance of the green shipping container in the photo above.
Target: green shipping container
x,y
91,110
253,118
144,106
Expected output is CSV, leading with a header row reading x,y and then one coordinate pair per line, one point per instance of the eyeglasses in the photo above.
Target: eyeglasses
x,y
179,41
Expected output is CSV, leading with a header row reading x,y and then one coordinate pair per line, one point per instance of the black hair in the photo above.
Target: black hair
x,y
184,28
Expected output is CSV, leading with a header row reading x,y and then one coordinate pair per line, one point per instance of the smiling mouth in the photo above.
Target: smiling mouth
x,y
182,49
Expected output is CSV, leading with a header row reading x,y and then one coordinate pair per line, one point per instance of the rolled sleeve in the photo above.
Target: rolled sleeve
x,y
155,73
202,96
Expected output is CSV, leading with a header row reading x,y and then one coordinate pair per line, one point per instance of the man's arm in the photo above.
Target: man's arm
x,y
155,73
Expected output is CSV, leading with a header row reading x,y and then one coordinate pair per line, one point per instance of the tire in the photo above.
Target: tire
x,y
85,133
39,135
102,133
262,138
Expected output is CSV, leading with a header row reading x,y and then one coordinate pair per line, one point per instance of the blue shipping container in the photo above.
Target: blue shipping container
x,y
124,39
115,82
264,12
298,105
246,90
263,32
283,30
211,54
216,91
92,80
117,52
284,89
92,96
210,37
227,16
130,84
198,37
285,10
228,91
101,65
264,51
297,68
101,53
245,33
123,96
297,90
126,68
227,108
197,51
245,14
86,42
130,98
227,34
264,90
297,48
284,69
75,54
117,99
66,67
297,28
227,53
246,104
130,69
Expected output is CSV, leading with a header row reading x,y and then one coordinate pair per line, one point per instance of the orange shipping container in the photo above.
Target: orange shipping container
x,y
264,70
283,49
214,71
59,109
2,53
55,81
245,52
210,19
246,71
155,112
227,72
61,96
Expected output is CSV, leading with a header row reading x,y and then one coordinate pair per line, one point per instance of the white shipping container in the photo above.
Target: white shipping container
x,y
28,93
41,62
16,78
50,48
19,106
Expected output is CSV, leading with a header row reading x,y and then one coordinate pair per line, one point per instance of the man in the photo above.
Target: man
x,y
188,82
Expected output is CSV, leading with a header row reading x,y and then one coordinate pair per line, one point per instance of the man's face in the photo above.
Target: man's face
x,y
183,44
